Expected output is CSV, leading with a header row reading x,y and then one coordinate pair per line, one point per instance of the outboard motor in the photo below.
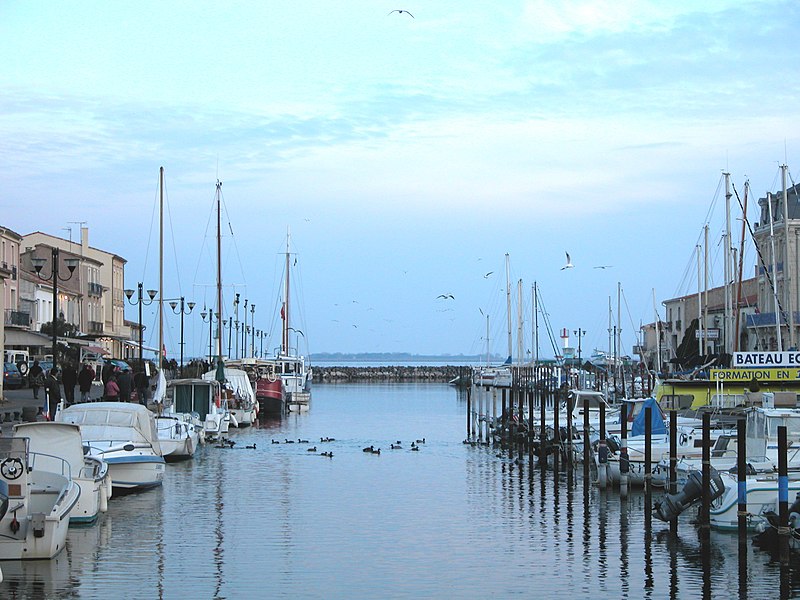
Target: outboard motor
x,y
674,504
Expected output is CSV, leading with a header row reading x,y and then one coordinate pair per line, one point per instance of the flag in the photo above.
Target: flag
x,y
164,350
46,407
283,312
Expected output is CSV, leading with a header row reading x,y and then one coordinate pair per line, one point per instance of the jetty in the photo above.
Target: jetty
x,y
426,373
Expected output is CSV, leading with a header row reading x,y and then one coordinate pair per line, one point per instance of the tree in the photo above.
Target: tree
x,y
63,328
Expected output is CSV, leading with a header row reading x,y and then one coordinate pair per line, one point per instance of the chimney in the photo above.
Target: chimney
x,y
84,240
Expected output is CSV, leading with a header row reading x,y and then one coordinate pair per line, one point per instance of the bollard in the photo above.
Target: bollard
x,y
602,451
623,452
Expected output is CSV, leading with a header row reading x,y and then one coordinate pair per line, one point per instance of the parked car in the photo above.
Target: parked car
x,y
12,378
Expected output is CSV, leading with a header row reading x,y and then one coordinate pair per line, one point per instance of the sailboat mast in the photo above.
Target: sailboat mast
x,y
286,299
219,270
161,267
738,304
787,272
701,338
508,303
520,335
777,307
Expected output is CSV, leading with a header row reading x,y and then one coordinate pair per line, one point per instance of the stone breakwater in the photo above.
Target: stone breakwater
x,y
420,373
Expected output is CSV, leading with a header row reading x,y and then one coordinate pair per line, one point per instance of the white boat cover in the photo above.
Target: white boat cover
x,y
49,439
113,421
238,380
161,388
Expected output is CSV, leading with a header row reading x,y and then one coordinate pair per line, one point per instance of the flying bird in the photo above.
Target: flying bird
x,y
487,275
446,296
603,266
569,264
397,10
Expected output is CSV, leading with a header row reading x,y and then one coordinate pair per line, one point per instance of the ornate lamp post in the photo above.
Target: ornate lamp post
x,y
253,328
141,301
580,333
230,325
72,264
260,336
212,317
182,311
245,331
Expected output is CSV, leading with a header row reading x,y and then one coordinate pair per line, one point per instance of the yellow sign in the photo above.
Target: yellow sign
x,y
745,375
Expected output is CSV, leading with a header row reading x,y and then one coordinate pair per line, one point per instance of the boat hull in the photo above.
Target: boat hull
x,y
136,472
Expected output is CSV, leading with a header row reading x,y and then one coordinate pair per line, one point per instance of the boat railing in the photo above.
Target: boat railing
x,y
47,462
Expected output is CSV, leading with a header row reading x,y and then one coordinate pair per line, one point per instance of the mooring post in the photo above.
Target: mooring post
x,y
623,452
705,506
542,391
741,479
587,454
570,436
783,496
673,462
469,411
494,415
556,429
648,438
602,451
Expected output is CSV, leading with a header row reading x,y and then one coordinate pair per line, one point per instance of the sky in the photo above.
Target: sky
x,y
406,155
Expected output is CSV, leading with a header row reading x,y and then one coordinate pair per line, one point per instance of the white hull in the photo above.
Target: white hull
x,y
26,545
243,417
178,436
136,472
762,496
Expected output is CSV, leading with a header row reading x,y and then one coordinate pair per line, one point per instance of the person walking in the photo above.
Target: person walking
x,y
85,380
69,378
36,378
142,384
112,389
125,383
105,374
53,388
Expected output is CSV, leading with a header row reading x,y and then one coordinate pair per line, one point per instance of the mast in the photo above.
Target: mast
x,y
705,275
520,336
658,334
776,304
700,325
508,303
160,268
787,272
285,341
535,324
727,265
219,271
738,305
488,347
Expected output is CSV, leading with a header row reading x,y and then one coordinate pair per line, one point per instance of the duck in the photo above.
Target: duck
x,y
415,448
288,442
422,441
378,451
299,441
368,449
397,446
312,449
328,454
275,442
251,447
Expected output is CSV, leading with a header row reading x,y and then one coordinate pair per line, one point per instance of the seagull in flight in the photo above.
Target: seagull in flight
x,y
397,10
446,296
487,275
569,264
603,266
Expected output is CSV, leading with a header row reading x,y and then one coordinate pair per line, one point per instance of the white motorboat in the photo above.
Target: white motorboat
x,y
200,397
51,442
35,504
125,436
179,433
238,392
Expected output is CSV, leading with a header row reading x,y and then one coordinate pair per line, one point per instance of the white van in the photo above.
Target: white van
x,y
19,358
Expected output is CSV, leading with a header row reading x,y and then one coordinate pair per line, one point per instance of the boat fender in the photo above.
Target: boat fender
x,y
103,498
14,523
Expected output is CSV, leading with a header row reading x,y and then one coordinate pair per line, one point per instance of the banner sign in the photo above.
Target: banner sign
x,y
746,375
766,359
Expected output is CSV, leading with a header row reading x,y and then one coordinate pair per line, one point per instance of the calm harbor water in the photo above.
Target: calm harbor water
x,y
448,521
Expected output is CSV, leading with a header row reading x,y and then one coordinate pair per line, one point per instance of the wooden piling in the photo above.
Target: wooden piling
x,y
648,438
586,449
602,451
705,505
783,496
741,478
673,462
623,452
469,411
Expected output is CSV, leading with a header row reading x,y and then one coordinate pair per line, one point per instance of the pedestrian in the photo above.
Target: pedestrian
x,y
142,384
112,389
124,382
53,387
36,378
108,369
85,380
69,378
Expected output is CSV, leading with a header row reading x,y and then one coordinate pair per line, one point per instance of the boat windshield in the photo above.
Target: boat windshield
x,y
792,425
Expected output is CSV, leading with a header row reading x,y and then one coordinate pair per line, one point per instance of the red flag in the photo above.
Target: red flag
x,y
164,350
283,312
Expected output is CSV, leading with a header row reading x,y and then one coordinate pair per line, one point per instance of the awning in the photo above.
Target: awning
x,y
19,337
97,349
145,347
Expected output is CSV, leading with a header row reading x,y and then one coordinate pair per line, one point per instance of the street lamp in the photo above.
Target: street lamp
x,y
230,324
580,333
141,301
182,311
212,316
260,336
253,327
72,264
245,331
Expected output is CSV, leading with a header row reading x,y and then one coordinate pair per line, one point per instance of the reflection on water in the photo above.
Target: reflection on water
x,y
449,520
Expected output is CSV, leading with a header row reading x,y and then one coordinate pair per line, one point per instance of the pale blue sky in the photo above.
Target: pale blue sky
x,y
407,155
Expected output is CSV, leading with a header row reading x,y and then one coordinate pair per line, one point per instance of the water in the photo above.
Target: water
x,y
448,521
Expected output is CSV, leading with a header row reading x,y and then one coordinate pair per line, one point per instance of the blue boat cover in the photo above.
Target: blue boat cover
x,y
656,418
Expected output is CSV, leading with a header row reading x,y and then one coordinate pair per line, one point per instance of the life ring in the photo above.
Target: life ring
x,y
271,377
684,439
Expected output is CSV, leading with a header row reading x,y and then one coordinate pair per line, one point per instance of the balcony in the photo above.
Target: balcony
x,y
95,289
95,327
16,317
